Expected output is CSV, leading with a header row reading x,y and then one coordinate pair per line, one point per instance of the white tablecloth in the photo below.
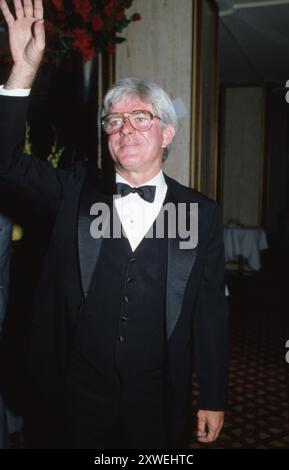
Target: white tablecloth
x,y
246,242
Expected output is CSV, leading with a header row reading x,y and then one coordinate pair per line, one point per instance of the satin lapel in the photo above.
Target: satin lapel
x,y
179,267
88,247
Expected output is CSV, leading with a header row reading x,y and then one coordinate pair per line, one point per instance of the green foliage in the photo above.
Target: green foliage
x,y
55,152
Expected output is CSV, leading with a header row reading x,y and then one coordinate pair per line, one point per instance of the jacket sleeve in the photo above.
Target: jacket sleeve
x,y
5,252
26,175
211,322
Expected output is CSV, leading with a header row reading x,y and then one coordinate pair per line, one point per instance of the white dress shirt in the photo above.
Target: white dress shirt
x,y
136,214
14,91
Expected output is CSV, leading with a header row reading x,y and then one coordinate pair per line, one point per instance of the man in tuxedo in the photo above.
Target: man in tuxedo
x,y
117,319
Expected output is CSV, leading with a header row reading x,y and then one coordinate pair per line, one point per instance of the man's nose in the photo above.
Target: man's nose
x,y
126,128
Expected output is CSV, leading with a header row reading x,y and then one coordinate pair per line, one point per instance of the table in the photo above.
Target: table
x,y
246,242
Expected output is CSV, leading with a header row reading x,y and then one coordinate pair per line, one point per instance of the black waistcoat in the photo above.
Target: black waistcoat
x,y
121,332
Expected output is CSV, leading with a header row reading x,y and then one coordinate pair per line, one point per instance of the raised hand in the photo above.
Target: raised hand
x,y
26,39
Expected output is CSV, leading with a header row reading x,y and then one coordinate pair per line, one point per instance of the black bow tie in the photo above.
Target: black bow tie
x,y
145,192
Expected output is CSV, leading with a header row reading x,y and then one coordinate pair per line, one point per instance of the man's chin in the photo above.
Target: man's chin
x,y
128,151
128,159
128,164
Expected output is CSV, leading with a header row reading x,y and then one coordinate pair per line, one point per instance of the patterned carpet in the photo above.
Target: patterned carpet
x,y
258,411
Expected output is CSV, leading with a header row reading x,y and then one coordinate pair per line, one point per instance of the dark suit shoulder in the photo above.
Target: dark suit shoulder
x,y
185,194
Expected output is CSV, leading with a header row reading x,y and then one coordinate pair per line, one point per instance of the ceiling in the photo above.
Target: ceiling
x,y
254,41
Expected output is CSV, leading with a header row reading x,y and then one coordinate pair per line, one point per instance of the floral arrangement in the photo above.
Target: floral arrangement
x,y
53,158
55,151
89,26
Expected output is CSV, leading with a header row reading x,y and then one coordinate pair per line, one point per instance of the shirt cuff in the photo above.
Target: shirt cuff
x,y
15,91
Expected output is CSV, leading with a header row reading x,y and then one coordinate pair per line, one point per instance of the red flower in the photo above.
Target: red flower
x,y
58,4
120,15
61,19
82,41
83,9
136,17
97,23
109,8
111,48
88,26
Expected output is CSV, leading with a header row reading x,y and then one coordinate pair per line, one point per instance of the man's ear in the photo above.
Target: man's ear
x,y
168,135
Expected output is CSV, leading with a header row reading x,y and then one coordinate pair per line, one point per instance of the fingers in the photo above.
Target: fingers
x,y
28,8
19,12
201,432
210,424
24,8
210,436
39,34
9,18
35,10
38,9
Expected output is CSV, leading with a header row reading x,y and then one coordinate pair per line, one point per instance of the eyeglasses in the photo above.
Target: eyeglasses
x,y
141,120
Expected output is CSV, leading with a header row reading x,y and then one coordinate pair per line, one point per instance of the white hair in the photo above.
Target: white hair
x,y
146,91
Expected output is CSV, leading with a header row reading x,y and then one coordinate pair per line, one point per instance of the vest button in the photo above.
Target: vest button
x,y
125,299
124,318
129,279
121,339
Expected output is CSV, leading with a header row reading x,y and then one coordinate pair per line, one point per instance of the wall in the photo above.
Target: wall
x,y
277,194
159,48
243,148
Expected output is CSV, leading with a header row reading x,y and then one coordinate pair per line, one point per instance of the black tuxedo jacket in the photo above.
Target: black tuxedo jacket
x,y
196,308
